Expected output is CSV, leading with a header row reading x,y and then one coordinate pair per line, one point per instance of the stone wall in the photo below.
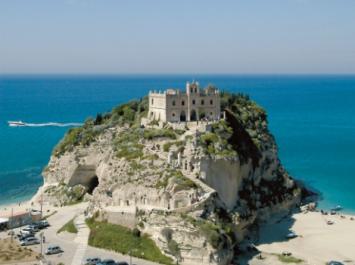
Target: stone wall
x,y
125,216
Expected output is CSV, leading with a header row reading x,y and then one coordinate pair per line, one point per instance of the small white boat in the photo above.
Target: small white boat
x,y
16,123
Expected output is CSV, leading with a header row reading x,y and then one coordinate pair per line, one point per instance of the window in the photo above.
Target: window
x,y
211,114
202,102
193,102
183,103
173,102
211,101
173,114
152,101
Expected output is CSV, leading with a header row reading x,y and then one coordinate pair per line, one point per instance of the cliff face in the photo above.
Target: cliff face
x,y
197,185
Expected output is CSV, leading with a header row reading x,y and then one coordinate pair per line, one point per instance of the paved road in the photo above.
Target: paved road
x,y
74,246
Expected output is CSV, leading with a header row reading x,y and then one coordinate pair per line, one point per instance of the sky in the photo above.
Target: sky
x,y
177,36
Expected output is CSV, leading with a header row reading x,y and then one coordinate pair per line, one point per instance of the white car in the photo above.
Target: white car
x,y
29,241
53,250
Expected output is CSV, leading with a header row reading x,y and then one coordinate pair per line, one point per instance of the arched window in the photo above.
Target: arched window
x,y
211,101
183,103
202,102
173,102
152,101
193,102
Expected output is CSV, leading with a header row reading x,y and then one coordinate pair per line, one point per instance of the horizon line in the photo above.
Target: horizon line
x,y
175,74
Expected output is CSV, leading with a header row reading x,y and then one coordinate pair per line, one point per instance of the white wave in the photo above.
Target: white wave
x,y
47,124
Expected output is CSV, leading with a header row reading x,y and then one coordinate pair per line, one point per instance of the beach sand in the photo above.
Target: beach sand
x,y
24,206
317,242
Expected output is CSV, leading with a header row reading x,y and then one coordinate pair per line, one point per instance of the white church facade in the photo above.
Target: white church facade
x,y
174,105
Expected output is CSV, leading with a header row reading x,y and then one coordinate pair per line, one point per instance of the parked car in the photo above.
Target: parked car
x,y
26,232
107,262
30,241
33,227
122,263
92,261
53,250
43,224
22,237
334,263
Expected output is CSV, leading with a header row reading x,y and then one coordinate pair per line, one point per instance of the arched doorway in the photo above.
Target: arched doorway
x,y
193,116
182,116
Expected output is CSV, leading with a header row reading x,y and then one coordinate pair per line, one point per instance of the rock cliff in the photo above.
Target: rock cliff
x,y
194,187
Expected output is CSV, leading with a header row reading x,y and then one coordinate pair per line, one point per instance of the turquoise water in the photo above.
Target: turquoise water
x,y
312,118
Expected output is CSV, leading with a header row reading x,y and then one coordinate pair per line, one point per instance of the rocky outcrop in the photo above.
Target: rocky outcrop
x,y
194,187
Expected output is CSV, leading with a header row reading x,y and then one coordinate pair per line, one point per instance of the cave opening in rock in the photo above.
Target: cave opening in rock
x,y
93,183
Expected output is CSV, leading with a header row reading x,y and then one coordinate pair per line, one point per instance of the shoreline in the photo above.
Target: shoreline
x,y
316,243
25,205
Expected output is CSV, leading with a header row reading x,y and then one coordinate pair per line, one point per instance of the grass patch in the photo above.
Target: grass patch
x,y
288,259
69,227
123,240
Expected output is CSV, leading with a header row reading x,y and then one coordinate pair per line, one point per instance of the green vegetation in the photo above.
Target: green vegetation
x,y
176,176
211,231
69,227
129,113
288,259
173,246
127,145
166,146
182,182
67,195
123,240
77,136
150,134
215,143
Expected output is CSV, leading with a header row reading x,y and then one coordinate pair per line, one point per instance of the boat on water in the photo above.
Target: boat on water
x,y
16,123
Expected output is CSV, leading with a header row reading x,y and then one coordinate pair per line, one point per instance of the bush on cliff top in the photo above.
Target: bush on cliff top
x,y
129,113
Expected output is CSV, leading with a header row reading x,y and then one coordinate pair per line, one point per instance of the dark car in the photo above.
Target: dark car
x,y
41,224
334,263
107,262
92,261
122,263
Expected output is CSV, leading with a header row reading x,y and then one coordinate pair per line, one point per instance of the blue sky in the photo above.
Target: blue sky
x,y
177,36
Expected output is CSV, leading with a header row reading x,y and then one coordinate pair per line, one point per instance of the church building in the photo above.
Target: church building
x,y
174,105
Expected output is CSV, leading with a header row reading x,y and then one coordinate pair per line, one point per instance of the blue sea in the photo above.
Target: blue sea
x,y
312,118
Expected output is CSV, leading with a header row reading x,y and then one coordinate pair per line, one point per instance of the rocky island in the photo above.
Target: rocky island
x,y
192,170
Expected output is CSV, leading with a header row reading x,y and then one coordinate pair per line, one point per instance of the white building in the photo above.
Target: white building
x,y
195,103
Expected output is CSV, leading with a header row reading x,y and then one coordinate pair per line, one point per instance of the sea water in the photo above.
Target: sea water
x,y
311,117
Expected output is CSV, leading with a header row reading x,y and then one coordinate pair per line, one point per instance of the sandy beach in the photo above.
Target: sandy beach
x,y
316,243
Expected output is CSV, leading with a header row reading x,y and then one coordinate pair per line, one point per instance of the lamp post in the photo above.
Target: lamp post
x,y
41,236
